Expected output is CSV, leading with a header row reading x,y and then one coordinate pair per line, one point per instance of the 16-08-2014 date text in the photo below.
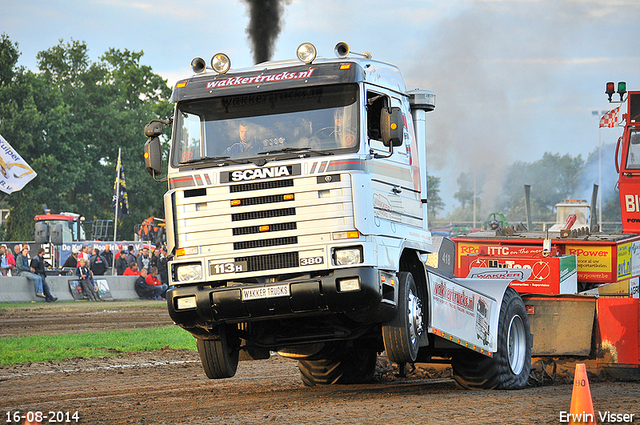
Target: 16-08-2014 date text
x,y
37,416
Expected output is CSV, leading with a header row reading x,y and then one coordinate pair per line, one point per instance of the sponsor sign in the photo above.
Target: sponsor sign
x,y
634,287
624,260
635,258
595,262
516,250
507,274
466,248
552,275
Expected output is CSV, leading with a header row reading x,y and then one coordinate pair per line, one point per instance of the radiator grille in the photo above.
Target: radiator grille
x,y
283,260
255,215
270,184
260,200
263,243
277,227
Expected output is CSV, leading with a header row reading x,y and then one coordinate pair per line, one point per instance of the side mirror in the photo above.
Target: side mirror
x,y
153,155
42,232
153,129
391,126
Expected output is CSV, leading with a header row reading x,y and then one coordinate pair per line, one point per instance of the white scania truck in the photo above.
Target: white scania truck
x,y
296,215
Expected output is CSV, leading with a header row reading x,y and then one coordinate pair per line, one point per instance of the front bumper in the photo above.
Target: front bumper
x,y
307,297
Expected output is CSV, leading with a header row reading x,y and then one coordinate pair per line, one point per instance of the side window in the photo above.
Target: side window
x,y
375,103
633,155
190,138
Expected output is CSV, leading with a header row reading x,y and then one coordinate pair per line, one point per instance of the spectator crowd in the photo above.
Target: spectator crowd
x,y
87,263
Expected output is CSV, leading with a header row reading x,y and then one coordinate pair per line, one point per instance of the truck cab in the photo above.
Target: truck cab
x,y
63,228
296,214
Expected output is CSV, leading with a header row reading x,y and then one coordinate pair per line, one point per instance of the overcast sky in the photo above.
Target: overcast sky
x,y
513,78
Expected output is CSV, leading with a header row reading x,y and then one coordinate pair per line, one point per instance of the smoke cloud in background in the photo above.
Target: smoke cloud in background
x,y
265,24
489,71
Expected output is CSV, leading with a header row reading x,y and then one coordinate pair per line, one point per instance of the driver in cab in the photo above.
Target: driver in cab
x,y
246,143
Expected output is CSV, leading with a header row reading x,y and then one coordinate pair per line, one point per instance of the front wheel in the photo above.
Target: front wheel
x,y
401,335
509,368
338,364
219,359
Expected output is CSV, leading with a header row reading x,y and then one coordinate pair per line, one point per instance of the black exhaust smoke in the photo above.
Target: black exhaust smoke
x,y
264,26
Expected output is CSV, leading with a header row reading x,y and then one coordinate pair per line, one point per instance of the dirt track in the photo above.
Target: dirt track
x,y
169,387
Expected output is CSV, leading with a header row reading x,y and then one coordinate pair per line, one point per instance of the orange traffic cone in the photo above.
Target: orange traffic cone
x,y
581,411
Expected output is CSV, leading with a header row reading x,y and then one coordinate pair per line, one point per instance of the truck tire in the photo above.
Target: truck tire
x,y
219,360
401,335
337,364
509,368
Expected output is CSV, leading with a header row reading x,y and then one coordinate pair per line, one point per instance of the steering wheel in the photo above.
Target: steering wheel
x,y
324,133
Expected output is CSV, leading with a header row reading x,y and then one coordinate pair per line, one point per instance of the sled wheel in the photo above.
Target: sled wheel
x,y
509,368
337,364
219,359
401,335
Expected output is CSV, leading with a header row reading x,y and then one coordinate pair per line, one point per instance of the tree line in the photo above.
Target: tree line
x,y
552,178
67,120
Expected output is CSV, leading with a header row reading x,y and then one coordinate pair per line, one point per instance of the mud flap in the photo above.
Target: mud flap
x,y
455,303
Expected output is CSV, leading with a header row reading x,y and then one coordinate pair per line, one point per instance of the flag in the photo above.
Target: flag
x,y
610,119
120,197
15,173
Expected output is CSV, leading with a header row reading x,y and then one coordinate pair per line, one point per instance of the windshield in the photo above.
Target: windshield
x,y
255,125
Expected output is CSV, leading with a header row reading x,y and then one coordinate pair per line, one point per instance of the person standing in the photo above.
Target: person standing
x,y
121,261
83,254
4,264
72,260
107,254
163,269
11,261
144,261
131,254
97,263
39,265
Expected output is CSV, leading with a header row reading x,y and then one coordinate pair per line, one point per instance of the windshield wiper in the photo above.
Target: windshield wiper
x,y
214,158
295,151
204,158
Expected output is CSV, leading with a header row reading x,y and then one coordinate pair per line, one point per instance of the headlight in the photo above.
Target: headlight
x,y
188,272
348,256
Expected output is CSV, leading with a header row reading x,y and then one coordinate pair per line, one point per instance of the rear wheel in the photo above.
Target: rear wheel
x,y
401,335
509,368
219,358
337,364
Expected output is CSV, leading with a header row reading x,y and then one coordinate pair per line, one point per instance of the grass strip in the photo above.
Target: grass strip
x,y
40,348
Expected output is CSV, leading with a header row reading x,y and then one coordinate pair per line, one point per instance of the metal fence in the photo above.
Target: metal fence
x,y
607,226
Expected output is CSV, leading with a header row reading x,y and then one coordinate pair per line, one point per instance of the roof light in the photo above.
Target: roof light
x,y
220,63
610,89
622,89
306,52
